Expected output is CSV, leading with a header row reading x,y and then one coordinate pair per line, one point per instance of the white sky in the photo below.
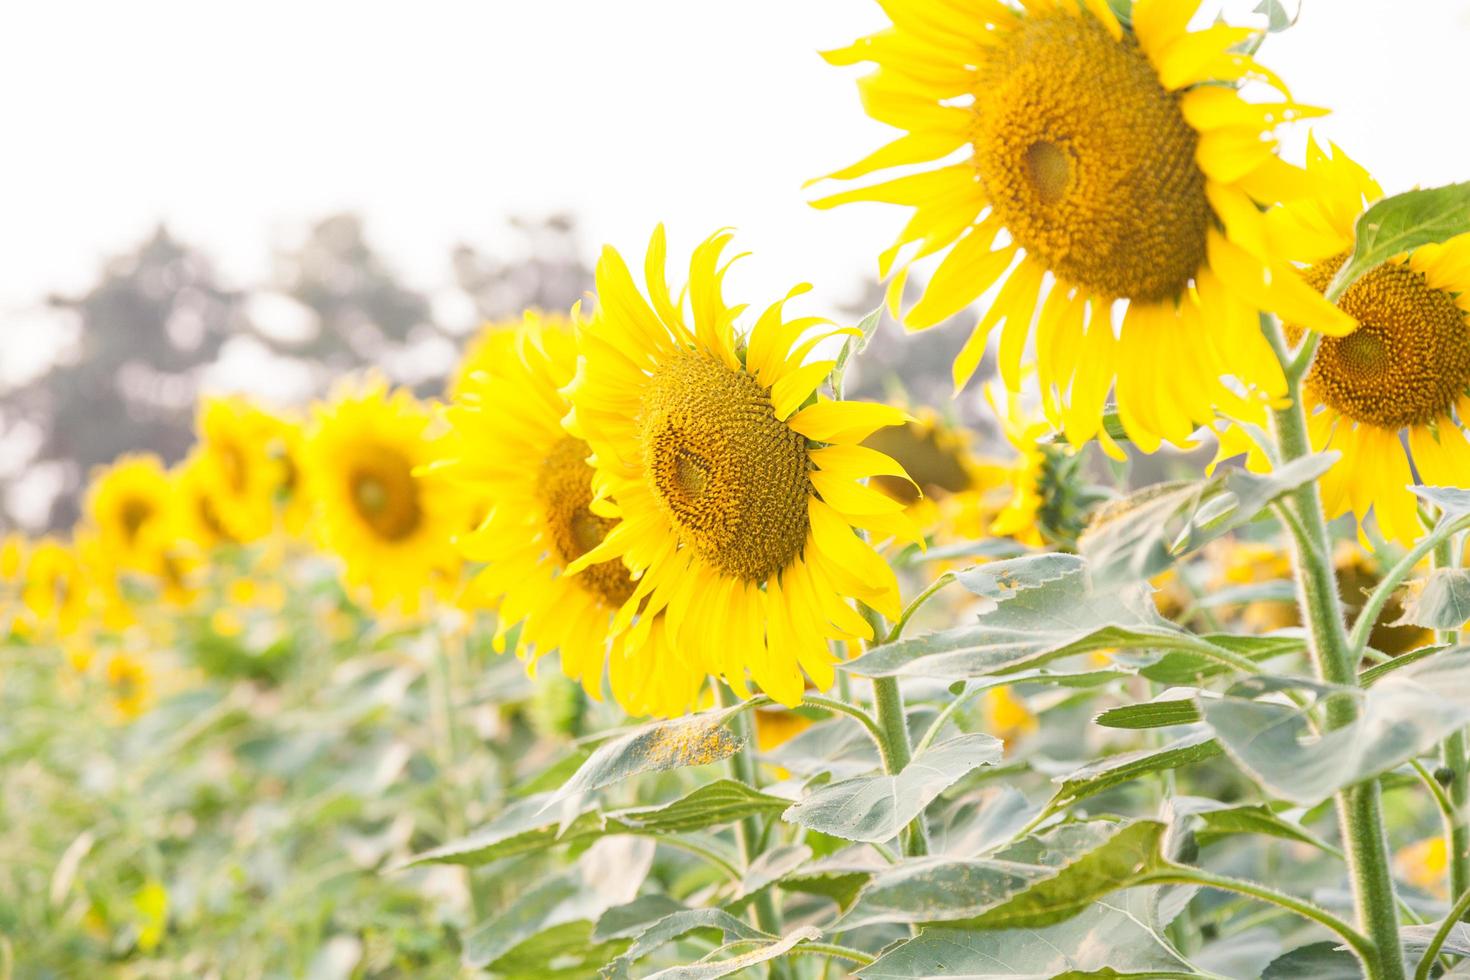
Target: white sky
x,y
237,125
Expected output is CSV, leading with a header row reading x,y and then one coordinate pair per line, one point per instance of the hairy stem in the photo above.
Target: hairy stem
x,y
1359,807
897,752
1453,758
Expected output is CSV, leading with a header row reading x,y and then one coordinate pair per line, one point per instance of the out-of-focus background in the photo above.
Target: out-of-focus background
x,y
262,196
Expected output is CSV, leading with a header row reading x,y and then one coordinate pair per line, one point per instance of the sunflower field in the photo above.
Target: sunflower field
x,y
644,650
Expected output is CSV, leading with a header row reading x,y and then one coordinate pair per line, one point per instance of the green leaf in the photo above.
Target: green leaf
x,y
1187,667
528,826
671,927
1039,880
1442,601
1416,939
875,808
1212,820
851,347
1096,777
1325,960
555,917
839,876
1402,223
1453,503
630,920
1003,579
1111,938
716,965
1143,534
1173,707
1404,714
1277,19
1061,616
697,740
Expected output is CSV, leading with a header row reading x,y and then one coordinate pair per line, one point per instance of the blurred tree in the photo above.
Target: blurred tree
x,y
148,328
158,321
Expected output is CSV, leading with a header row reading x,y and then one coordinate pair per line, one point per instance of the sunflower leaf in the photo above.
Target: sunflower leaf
x,y
851,347
715,965
1096,777
1037,881
1403,714
1440,602
1111,938
874,809
1401,223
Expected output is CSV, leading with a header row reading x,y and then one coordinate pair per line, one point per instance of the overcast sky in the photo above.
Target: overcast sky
x,y
236,125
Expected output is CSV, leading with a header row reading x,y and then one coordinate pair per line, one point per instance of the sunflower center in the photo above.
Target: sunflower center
x,y
384,493
1087,160
564,488
731,476
134,514
1409,360
232,461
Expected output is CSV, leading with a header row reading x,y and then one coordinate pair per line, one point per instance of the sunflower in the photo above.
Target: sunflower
x,y
12,557
951,490
1097,171
202,500
491,346
239,460
737,488
129,685
511,451
393,530
54,592
129,506
1396,391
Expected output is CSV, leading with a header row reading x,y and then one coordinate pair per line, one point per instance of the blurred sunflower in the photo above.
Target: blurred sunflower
x,y
129,685
202,500
54,592
1099,167
128,504
738,491
510,451
238,461
12,557
1396,391
950,490
490,347
393,530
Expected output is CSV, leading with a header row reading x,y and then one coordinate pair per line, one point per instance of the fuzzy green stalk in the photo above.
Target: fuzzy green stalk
x,y
748,830
1454,759
1359,807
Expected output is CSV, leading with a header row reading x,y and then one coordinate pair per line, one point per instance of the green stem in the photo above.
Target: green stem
x,y
913,607
897,752
1180,874
1453,917
1453,757
1359,806
851,710
441,688
748,830
833,950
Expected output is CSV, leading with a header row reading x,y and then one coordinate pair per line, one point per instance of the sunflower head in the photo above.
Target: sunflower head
x,y
1401,379
130,506
1107,179
738,489
129,685
393,529
55,591
245,456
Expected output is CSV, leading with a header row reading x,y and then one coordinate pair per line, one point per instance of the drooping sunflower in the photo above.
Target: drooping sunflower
x,y
1402,379
1099,172
950,490
129,506
510,451
738,493
392,530
239,459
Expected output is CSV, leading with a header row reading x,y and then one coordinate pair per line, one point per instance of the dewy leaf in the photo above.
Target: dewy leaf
x,y
697,740
1403,714
875,808
1062,616
528,825
1195,746
851,347
1402,223
713,966
1440,602
1111,938
1038,880
1143,534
